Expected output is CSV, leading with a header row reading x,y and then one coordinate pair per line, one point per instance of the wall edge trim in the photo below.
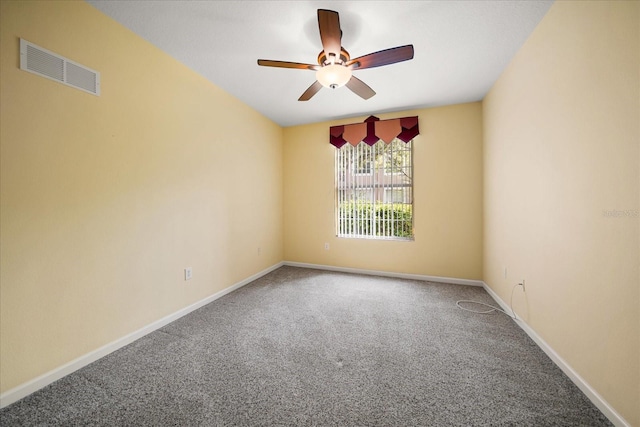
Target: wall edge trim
x,y
595,398
439,279
33,385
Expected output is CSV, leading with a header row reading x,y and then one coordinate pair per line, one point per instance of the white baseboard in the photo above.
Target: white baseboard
x,y
593,396
438,279
23,390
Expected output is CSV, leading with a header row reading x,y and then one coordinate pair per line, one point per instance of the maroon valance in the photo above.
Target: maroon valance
x,y
373,129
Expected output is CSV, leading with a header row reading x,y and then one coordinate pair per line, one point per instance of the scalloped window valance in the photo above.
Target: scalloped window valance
x,y
373,129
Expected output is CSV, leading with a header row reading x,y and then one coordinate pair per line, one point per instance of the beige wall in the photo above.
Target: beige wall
x,y
561,139
447,199
105,200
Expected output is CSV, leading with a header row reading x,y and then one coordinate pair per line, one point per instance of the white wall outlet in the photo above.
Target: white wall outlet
x,y
326,246
522,284
188,273
259,251
505,272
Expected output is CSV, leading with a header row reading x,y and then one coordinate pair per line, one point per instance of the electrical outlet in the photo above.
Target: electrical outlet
x,y
522,284
259,251
505,272
326,246
188,273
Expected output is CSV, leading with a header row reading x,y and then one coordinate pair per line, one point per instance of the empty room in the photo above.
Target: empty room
x,y
314,213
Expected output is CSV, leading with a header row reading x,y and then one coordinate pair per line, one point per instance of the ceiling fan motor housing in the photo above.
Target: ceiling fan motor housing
x,y
324,60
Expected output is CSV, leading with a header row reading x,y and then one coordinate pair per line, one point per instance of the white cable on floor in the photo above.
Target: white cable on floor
x,y
513,316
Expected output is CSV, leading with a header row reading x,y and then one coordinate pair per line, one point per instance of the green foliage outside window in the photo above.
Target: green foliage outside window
x,y
381,219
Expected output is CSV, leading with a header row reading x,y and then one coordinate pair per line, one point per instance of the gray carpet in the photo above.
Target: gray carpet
x,y
302,347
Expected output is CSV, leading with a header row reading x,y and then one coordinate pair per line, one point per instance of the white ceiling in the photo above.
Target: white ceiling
x,y
461,48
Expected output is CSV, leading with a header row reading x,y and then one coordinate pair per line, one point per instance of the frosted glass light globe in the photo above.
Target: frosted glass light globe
x,y
333,75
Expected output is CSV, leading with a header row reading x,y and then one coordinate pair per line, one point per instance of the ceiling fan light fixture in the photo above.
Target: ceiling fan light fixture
x,y
333,75
335,64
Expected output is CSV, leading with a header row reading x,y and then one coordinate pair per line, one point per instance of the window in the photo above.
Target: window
x,y
364,164
374,190
396,195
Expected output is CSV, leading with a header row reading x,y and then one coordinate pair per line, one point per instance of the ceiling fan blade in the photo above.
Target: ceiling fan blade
x,y
360,88
313,89
287,64
383,57
330,33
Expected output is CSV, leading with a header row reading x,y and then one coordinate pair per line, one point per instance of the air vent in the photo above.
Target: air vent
x,y
47,64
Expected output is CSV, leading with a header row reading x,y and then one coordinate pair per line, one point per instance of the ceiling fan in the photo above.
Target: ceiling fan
x,y
334,63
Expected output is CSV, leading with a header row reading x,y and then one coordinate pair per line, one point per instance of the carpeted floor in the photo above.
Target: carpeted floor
x,y
302,347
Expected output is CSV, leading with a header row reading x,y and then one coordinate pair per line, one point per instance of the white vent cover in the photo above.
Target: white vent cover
x,y
47,64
